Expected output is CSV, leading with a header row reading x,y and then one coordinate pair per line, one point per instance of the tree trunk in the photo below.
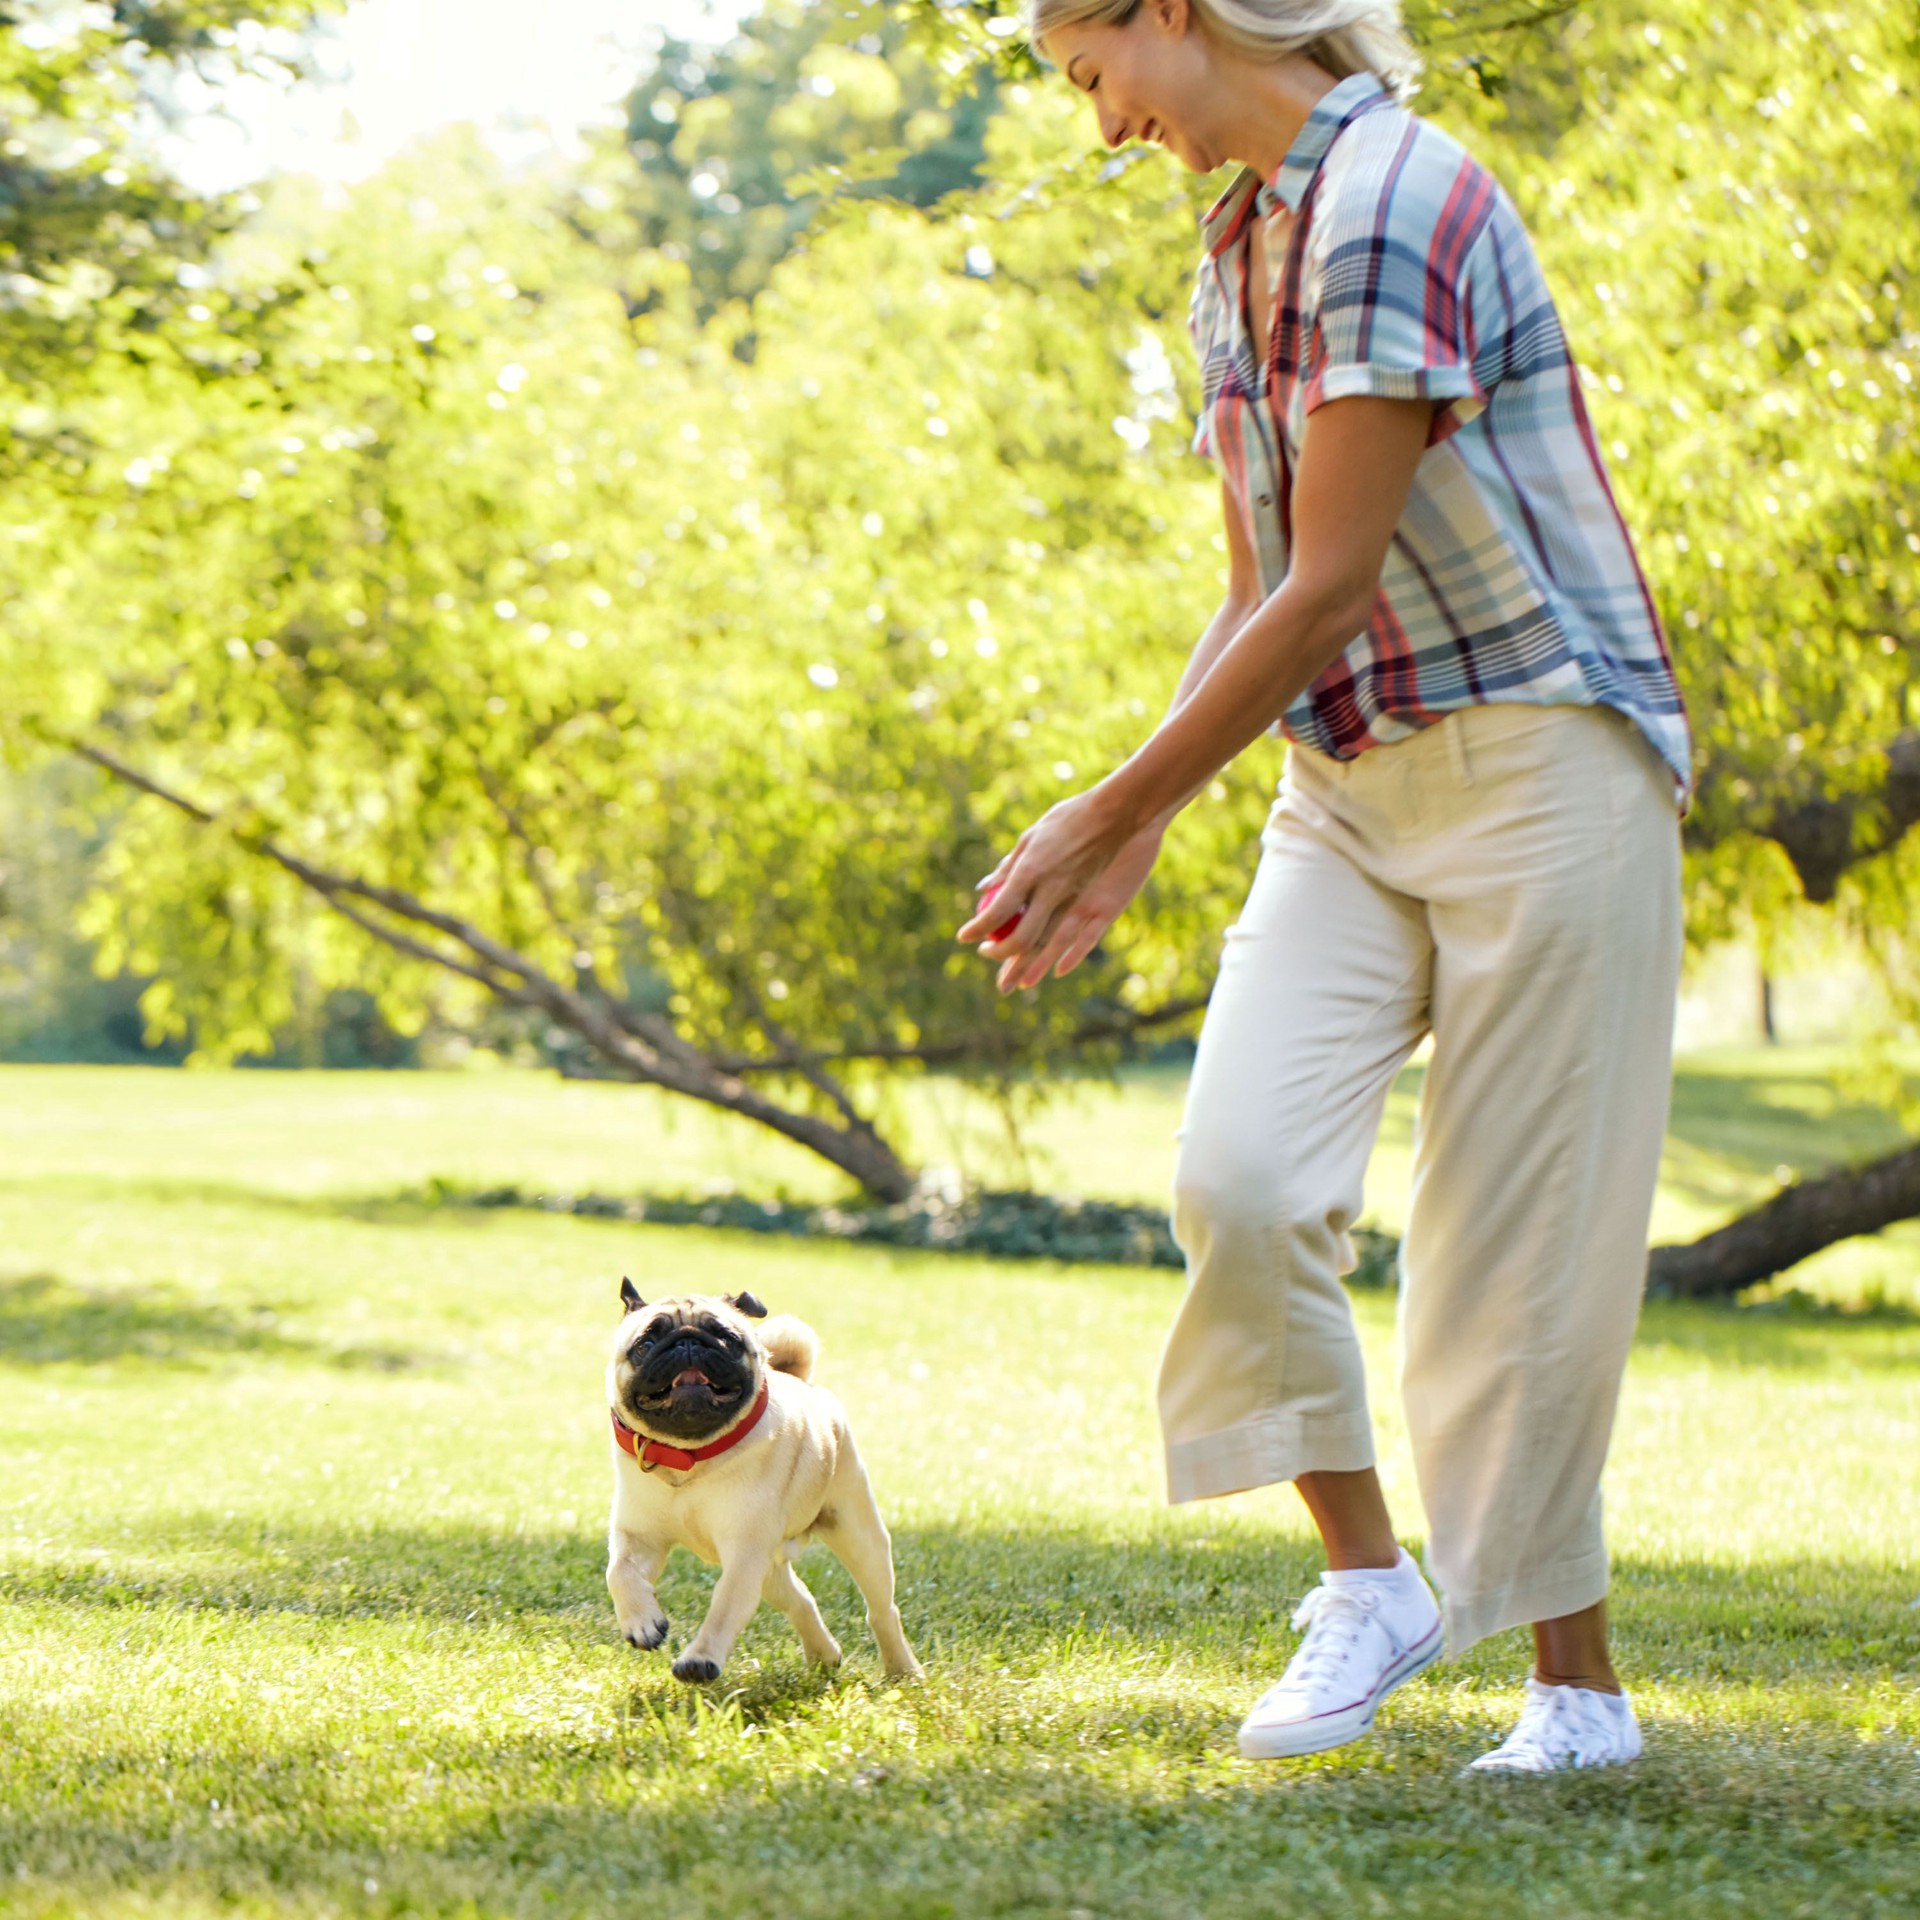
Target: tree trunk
x,y
1822,836
1795,1223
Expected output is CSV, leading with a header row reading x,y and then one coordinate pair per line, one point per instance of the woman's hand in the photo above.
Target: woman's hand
x,y
1067,880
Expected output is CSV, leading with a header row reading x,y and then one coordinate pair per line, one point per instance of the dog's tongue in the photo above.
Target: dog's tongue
x,y
688,1376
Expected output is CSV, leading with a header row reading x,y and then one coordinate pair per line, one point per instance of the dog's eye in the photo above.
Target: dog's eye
x,y
638,1352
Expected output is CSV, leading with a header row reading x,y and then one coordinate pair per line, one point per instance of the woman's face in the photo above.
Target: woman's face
x,y
1147,80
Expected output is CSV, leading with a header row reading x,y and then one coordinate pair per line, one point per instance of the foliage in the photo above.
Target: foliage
x,y
52,1006
93,239
729,151
420,588
708,652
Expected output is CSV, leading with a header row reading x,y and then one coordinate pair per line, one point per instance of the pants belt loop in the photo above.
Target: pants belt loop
x,y
1457,747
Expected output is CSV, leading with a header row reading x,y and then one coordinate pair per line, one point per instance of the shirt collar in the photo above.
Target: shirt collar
x,y
1351,97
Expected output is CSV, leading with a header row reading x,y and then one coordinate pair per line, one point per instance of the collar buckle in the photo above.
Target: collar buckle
x,y
648,1454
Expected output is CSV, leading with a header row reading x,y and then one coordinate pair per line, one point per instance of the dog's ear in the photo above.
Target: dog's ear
x,y
630,1300
745,1303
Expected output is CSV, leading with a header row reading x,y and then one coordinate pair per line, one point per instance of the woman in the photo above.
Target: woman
x,y
1431,591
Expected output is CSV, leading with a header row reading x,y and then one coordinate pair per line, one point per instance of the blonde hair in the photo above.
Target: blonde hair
x,y
1343,36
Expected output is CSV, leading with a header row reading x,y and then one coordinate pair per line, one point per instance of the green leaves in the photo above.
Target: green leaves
x,y
708,661
1729,225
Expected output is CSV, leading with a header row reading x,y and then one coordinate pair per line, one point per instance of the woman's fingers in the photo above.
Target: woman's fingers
x,y
1018,942
1030,943
1041,960
984,921
991,918
1078,949
1060,952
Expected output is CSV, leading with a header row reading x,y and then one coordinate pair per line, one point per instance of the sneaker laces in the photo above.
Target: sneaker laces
x,y
1334,1619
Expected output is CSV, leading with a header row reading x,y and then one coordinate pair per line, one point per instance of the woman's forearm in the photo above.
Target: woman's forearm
x,y
1228,698
1352,480
1229,617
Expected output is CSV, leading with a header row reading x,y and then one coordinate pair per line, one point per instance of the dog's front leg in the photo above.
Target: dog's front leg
x,y
736,1597
633,1565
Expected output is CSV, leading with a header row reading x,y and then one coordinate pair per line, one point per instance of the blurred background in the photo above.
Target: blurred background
x,y
562,541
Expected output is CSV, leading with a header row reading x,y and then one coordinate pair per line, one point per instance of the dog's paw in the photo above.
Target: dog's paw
x,y
913,1670
647,1634
696,1669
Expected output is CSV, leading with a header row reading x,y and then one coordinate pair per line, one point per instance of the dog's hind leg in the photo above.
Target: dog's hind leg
x,y
633,1565
858,1538
783,1588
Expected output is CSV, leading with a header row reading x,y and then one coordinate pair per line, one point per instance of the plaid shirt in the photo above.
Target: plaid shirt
x,y
1403,270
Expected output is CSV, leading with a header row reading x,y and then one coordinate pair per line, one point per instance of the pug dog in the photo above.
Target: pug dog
x,y
723,1445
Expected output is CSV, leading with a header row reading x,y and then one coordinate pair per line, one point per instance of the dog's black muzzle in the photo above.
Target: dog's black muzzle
x,y
690,1388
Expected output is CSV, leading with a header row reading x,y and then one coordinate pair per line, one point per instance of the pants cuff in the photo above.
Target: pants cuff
x,y
1568,1588
1264,1449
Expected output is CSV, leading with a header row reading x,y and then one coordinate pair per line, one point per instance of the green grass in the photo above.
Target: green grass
x,y
1739,1117
300,1571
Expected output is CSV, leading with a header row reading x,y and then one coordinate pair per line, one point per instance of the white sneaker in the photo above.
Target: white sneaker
x,y
1566,1727
1364,1638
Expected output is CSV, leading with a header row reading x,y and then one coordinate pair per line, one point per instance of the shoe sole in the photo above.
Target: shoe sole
x,y
1328,1730
1486,1764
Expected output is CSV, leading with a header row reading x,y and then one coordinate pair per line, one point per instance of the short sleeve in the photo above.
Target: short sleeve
x,y
1391,291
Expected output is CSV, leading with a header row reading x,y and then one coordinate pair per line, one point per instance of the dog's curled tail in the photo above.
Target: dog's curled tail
x,y
792,1346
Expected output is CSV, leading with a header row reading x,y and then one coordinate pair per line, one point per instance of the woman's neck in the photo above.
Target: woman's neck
x,y
1263,106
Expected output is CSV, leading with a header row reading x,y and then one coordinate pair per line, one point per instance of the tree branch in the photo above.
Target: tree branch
x,y
857,1149
942,1052
1822,836
1796,1222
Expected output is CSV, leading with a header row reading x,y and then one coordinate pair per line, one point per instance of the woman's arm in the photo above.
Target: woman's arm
x,y
1242,601
1356,469
1077,932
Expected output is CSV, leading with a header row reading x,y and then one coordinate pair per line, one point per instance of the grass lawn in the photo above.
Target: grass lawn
x,y
300,1563
1740,1117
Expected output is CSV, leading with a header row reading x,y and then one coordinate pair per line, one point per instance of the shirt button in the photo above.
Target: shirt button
x,y
1266,499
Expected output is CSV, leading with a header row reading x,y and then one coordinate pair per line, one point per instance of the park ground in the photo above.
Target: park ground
x,y
300,1563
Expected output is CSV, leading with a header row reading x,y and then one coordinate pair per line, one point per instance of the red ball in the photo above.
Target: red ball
x,y
999,933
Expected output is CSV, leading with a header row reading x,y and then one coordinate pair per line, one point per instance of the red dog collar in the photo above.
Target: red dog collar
x,y
656,1453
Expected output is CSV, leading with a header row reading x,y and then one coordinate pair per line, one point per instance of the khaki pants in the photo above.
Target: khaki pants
x,y
1507,879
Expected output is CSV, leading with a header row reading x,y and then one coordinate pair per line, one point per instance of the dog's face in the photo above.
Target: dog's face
x,y
686,1367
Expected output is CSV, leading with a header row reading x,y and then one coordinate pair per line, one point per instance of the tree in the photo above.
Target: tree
x,y
93,238
661,678
729,152
1729,220
455,614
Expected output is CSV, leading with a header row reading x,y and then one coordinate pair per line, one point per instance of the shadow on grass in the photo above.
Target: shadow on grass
x,y
46,1320
1013,1599
990,1792
1010,1836
1734,1129
1790,1337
